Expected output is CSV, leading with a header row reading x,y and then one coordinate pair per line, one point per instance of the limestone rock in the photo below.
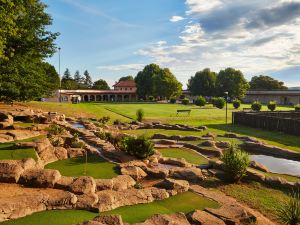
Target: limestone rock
x,y
86,201
75,152
172,219
5,138
259,166
135,172
192,174
39,177
174,161
61,153
22,134
64,183
204,218
209,143
104,184
155,172
109,219
177,185
10,171
232,214
123,182
83,185
223,144
45,151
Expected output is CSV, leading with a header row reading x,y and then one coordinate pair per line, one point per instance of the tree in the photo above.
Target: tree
x,y
67,82
101,85
129,77
24,44
233,82
87,79
266,83
154,81
166,84
203,83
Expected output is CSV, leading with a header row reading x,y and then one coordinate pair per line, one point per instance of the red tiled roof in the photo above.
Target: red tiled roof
x,y
125,83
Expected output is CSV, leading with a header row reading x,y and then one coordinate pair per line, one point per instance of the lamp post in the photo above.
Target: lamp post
x,y
226,93
59,74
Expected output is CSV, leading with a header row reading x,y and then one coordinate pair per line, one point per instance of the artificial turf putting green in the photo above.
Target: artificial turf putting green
x,y
185,202
18,154
189,155
96,167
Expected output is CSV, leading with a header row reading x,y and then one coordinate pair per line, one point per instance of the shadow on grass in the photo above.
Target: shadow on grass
x,y
279,137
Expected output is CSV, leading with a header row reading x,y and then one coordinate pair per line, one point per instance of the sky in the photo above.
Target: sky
x,y
119,37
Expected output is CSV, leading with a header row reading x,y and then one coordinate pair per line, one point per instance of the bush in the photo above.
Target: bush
x,y
104,120
55,129
151,98
75,142
117,122
140,147
140,115
256,106
219,102
236,104
289,212
272,105
235,163
200,101
185,101
297,107
173,100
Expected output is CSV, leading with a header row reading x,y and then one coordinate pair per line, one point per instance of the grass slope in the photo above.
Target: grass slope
x,y
185,202
96,167
189,155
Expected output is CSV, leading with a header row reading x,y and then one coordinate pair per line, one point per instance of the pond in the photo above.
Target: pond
x,y
278,165
77,125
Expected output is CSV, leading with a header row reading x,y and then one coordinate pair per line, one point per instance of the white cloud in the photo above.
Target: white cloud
x,y
122,67
200,6
175,19
160,43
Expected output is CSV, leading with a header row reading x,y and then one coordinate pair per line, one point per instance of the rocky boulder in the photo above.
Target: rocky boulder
x,y
135,172
64,183
10,170
171,219
6,121
83,185
258,166
22,134
39,177
223,144
204,218
179,186
209,143
61,153
5,138
75,152
192,174
45,150
104,184
156,172
174,161
122,182
87,201
105,220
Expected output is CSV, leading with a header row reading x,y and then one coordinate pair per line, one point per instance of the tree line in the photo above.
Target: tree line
x,y
209,83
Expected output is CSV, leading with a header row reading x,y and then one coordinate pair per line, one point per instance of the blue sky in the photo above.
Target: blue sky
x,y
119,37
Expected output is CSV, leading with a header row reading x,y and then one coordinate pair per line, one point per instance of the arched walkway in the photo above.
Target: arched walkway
x,y
92,98
86,98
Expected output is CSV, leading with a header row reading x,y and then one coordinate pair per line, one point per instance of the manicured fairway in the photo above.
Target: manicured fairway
x,y
185,203
18,154
189,155
96,167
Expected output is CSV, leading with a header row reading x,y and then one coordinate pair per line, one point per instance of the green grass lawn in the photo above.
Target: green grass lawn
x,y
96,167
185,203
189,155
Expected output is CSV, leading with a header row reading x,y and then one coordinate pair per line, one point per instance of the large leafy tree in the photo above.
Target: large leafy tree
x,y
266,83
101,85
144,80
153,80
203,83
24,43
129,77
233,82
166,84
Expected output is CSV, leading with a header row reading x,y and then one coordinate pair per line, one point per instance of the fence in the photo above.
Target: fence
x,y
283,121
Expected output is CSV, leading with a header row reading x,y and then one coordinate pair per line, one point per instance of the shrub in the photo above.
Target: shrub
x,y
140,147
219,102
101,135
236,103
256,106
235,163
297,107
173,100
289,211
104,120
117,122
151,98
75,142
55,129
140,115
272,105
185,101
200,101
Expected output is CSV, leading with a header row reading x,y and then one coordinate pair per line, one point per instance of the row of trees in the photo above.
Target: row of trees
x,y
24,45
209,83
82,82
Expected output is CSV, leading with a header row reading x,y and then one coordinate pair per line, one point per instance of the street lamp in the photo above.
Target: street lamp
x,y
226,93
59,74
